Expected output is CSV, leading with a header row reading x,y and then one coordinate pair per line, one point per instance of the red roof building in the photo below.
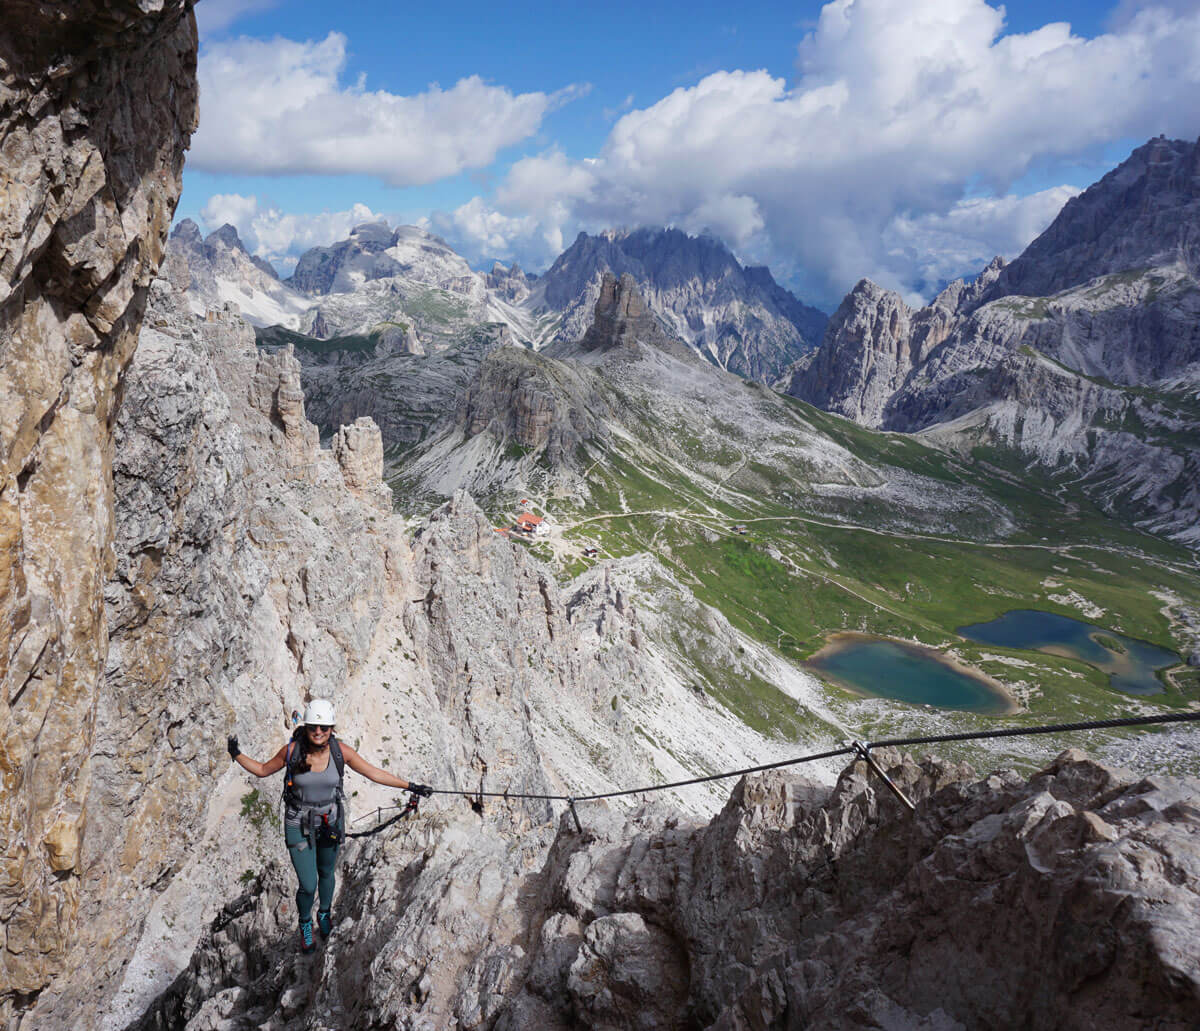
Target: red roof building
x,y
529,522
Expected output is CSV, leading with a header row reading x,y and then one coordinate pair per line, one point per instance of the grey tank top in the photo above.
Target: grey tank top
x,y
317,790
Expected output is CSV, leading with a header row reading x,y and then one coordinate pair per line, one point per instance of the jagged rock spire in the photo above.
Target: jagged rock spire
x,y
623,321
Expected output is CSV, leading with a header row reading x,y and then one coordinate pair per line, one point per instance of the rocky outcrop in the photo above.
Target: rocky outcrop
x,y
621,322
872,343
218,270
511,284
518,683
401,339
358,449
1000,903
97,105
1144,214
1067,900
738,318
535,403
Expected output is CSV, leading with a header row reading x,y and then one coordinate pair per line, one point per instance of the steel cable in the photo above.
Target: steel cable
x,y
1055,728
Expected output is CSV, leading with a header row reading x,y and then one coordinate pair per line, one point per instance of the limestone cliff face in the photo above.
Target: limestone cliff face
x,y
97,105
873,342
248,576
1142,214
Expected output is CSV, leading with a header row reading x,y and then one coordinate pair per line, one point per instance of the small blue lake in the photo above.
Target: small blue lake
x,y
892,669
1130,666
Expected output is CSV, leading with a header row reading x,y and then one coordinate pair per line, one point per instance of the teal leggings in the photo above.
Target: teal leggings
x,y
314,868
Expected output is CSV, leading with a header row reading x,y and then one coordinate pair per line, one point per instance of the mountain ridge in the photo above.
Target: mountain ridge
x,y
738,318
735,317
1095,381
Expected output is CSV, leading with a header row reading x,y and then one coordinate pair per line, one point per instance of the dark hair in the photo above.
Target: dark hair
x,y
299,735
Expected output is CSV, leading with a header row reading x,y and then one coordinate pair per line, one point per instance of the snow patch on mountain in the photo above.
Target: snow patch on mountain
x,y
218,270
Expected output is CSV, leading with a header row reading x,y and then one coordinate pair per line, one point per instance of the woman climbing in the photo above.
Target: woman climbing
x,y
315,816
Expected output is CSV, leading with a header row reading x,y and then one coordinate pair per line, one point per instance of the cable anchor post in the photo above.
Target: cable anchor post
x,y
864,753
574,814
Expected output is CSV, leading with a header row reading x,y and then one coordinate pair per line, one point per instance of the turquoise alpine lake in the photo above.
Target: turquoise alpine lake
x,y
906,673
1130,665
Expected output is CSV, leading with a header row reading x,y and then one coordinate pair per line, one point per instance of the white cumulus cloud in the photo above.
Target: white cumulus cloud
x,y
213,16
898,111
940,246
280,107
281,238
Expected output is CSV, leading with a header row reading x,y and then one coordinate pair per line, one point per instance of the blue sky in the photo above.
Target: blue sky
x,y
905,141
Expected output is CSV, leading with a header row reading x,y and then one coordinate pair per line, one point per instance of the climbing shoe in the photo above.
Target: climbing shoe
x,y
324,923
306,938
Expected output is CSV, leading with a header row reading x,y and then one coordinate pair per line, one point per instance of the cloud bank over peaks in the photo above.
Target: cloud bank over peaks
x,y
897,110
277,236
938,248
279,107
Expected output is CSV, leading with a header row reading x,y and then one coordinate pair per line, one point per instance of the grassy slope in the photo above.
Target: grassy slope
x,y
793,580
675,487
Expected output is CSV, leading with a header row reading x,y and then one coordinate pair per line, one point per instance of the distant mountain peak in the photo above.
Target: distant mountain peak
x,y
227,236
373,235
738,319
1142,213
187,232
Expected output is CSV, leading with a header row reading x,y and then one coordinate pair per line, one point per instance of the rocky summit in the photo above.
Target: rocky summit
x,y
1142,214
534,571
217,270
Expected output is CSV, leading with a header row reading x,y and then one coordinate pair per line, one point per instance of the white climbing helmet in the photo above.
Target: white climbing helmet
x,y
319,712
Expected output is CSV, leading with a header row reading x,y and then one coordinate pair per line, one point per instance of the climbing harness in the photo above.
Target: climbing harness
x,y
315,824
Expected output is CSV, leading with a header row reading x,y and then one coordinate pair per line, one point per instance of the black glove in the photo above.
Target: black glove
x,y
232,744
424,790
